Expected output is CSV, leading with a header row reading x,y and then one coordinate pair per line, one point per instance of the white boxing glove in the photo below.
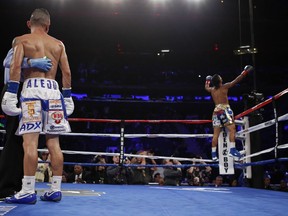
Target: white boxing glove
x,y
9,104
69,104
68,101
9,100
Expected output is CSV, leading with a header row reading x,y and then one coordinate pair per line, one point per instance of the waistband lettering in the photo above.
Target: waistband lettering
x,y
42,83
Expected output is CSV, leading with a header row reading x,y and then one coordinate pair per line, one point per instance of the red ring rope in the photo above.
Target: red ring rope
x,y
258,106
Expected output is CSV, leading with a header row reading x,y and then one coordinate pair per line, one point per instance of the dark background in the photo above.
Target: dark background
x,y
117,43
114,49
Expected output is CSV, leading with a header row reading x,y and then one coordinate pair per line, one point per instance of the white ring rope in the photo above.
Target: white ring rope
x,y
169,135
239,134
169,158
262,125
284,146
161,157
90,134
87,153
266,151
131,155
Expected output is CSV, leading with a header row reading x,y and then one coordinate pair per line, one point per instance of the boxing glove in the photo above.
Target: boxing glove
x,y
10,101
68,101
246,70
43,64
208,80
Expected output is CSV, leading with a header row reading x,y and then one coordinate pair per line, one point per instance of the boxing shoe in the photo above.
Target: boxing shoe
x,y
235,154
54,196
22,198
214,156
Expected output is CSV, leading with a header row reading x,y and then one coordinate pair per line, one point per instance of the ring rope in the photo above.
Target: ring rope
x,y
135,121
90,134
136,165
136,135
266,151
140,121
170,121
262,125
263,162
258,106
169,135
135,155
283,146
236,165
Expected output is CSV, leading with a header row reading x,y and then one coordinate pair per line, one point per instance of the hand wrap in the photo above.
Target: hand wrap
x,y
69,104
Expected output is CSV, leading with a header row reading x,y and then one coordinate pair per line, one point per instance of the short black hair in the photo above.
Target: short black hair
x,y
216,80
40,16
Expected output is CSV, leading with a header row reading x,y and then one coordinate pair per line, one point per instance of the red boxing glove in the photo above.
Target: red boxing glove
x,y
208,80
246,70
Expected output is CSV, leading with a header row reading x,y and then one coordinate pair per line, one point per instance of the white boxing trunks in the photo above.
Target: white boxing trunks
x,y
43,108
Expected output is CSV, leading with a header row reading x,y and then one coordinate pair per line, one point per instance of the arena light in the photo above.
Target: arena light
x,y
242,50
165,50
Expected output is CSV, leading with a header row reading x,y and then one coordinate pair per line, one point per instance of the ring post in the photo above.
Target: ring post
x,y
226,163
121,157
247,148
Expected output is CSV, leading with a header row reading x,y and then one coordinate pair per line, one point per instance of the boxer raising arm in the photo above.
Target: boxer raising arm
x,y
222,114
43,107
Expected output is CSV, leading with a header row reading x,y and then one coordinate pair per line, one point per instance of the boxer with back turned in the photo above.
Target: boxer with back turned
x,y
43,108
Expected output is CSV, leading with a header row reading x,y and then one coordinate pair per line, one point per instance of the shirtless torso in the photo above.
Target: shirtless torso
x,y
43,106
36,45
222,114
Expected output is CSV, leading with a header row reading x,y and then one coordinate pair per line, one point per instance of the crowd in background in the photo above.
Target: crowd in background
x,y
174,147
142,170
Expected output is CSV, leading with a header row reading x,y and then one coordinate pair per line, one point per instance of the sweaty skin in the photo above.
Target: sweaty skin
x,y
36,45
220,96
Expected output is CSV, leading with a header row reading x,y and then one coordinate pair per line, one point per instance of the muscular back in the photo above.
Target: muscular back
x,y
220,95
38,45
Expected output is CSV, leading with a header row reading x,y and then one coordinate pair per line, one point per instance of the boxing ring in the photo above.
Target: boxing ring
x,y
104,199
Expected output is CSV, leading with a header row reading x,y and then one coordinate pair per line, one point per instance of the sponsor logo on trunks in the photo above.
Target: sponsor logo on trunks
x,y
30,108
30,126
54,128
30,111
55,105
42,83
230,112
57,116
